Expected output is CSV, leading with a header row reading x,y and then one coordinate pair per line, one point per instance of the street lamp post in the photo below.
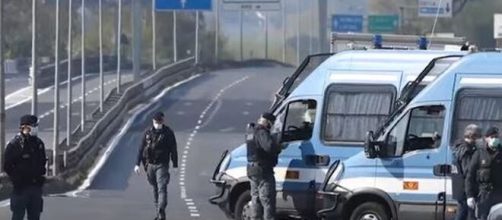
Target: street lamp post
x,y
55,143
82,57
33,69
69,84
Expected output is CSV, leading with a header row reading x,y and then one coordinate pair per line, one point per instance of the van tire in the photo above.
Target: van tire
x,y
370,211
242,201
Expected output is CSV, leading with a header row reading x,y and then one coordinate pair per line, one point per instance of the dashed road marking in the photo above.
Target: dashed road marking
x,y
192,207
75,100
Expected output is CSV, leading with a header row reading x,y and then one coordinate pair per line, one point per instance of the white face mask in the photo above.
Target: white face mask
x,y
494,143
157,125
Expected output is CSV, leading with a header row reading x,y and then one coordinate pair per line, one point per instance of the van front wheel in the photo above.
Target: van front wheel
x,y
369,211
242,208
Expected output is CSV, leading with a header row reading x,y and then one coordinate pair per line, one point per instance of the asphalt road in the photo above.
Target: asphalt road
x,y
18,103
208,115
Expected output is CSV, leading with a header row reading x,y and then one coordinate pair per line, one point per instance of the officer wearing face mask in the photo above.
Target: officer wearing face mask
x,y
262,155
25,165
463,151
484,182
158,147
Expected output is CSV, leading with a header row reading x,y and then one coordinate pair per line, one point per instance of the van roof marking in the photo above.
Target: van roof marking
x,y
491,81
375,76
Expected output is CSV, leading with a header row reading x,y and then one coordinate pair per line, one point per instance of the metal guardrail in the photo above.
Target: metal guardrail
x,y
81,157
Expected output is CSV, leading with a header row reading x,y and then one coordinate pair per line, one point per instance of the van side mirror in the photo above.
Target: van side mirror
x,y
369,146
442,170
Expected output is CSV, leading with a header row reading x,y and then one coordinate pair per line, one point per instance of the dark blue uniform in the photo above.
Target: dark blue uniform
x,y
484,181
262,155
462,154
158,147
25,165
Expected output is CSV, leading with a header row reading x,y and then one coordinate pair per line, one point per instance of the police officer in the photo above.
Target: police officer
x,y
462,154
158,147
262,155
25,165
484,182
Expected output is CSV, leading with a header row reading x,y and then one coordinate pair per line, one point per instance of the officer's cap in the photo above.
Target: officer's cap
x,y
492,131
269,116
29,120
158,116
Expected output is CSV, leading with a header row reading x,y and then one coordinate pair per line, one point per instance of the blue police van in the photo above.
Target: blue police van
x,y
404,170
324,117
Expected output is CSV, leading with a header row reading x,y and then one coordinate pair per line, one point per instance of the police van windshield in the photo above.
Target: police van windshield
x,y
308,66
351,109
425,78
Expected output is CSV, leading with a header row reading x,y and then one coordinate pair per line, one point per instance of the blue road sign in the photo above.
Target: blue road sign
x,y
183,5
347,23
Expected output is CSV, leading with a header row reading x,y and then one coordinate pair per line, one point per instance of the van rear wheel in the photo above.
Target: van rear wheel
x,y
242,206
370,211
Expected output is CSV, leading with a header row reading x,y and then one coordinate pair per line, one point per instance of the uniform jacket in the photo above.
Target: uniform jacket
x,y
158,146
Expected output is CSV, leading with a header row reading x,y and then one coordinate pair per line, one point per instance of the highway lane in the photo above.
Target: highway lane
x,y
46,106
209,115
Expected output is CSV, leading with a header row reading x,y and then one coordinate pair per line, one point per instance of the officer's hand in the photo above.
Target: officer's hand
x,y
175,171
471,202
137,170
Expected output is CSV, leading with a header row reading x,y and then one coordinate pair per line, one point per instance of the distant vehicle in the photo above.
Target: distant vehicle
x,y
404,170
323,117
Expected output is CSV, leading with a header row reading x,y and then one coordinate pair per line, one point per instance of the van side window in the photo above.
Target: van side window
x,y
480,107
419,129
351,111
299,122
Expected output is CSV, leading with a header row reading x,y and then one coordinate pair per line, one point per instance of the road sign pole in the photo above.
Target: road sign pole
x,y
154,37
101,77
119,44
2,92
298,32
137,37
69,84
82,57
241,30
55,143
197,37
217,32
33,70
283,12
266,35
175,45
311,27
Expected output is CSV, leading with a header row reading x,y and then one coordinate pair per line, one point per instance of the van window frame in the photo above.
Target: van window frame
x,y
470,92
407,115
350,87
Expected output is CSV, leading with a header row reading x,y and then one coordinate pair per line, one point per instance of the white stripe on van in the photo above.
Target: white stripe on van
x,y
396,185
306,175
344,76
490,81
426,79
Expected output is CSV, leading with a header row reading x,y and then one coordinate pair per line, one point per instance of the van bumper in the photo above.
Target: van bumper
x,y
332,204
221,197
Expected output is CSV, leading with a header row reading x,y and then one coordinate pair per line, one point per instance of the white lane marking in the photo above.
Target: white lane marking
x,y
73,101
87,182
192,207
20,92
